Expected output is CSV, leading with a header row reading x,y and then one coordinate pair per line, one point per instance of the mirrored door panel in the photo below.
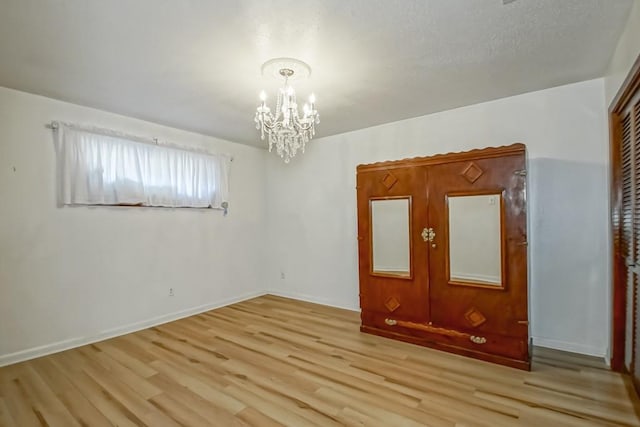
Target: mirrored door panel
x,y
391,236
475,240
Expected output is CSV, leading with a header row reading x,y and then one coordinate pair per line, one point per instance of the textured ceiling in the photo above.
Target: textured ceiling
x,y
195,64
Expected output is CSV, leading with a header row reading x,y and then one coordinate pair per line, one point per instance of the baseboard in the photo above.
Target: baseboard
x,y
313,299
32,353
570,347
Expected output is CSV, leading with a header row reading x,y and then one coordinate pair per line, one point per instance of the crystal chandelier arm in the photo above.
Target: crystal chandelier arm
x,y
303,124
268,122
310,119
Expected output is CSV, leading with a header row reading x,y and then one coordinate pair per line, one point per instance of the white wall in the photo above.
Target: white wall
x,y
312,204
626,52
69,275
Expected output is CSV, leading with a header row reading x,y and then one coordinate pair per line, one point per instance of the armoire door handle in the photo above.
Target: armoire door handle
x,y
428,234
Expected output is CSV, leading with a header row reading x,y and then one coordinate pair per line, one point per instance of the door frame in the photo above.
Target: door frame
x,y
619,270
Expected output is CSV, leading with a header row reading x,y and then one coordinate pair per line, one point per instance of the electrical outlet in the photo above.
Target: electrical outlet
x,y
171,292
282,275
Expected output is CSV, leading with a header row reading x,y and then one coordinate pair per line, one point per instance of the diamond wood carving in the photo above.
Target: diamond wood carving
x,y
472,172
475,317
389,180
392,304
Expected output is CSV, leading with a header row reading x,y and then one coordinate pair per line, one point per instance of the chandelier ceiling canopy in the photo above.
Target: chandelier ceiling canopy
x,y
287,131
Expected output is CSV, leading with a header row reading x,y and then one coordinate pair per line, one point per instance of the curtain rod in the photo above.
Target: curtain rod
x,y
54,125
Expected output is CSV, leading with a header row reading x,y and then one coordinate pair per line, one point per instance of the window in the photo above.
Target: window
x,y
98,168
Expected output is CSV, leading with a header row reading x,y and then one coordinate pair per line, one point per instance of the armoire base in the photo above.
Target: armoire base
x,y
425,342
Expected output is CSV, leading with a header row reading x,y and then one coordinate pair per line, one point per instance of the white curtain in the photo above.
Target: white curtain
x,y
98,169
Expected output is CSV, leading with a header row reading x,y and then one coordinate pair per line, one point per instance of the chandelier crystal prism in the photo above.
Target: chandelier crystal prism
x,y
288,132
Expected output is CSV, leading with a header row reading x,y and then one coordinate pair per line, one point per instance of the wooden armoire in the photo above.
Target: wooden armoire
x,y
443,252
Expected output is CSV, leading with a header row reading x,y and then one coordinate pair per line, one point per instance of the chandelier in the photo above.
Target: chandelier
x,y
287,131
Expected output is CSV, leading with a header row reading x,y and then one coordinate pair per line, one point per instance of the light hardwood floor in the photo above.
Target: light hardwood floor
x,y
273,361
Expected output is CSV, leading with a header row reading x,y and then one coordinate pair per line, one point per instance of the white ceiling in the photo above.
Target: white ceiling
x,y
195,64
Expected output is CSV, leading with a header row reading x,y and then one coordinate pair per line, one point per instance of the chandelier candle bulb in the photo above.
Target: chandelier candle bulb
x,y
286,130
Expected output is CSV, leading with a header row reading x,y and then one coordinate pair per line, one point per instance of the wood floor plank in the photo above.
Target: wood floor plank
x,y
44,402
116,412
272,361
19,406
74,401
128,398
127,360
177,411
5,417
209,391
196,403
108,365
253,417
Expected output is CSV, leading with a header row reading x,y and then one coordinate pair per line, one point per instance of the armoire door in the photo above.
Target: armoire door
x,y
393,277
477,252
